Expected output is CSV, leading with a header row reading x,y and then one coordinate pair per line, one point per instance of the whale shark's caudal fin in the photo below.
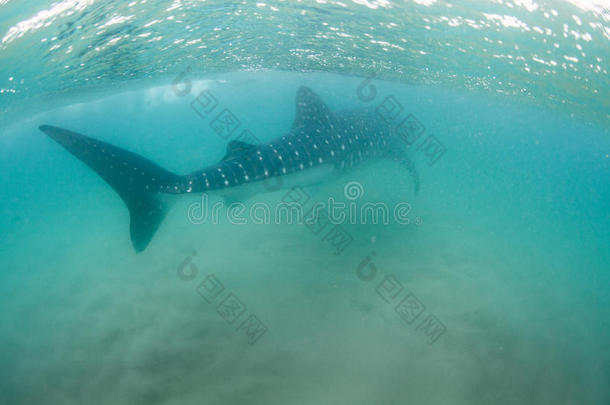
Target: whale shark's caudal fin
x,y
137,180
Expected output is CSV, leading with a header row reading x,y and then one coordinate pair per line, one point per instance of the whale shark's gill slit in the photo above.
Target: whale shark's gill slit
x,y
137,180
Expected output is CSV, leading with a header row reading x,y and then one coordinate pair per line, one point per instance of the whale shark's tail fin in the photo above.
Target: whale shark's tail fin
x,y
137,180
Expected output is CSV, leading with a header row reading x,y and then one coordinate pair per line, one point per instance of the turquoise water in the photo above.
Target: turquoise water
x,y
505,260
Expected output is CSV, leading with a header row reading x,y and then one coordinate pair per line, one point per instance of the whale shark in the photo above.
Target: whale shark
x,y
320,142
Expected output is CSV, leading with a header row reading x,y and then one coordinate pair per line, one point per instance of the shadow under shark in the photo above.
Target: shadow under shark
x,y
320,142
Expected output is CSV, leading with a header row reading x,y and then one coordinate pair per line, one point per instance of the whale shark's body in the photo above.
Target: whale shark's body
x,y
320,142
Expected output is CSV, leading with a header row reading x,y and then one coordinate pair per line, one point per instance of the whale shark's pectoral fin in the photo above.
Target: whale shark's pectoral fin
x,y
237,148
400,156
311,109
137,180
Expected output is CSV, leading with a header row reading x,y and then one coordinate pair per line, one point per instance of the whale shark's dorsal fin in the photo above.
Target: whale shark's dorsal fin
x,y
137,180
311,109
237,148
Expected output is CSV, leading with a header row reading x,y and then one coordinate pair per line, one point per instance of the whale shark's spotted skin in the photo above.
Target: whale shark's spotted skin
x,y
318,138
343,144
